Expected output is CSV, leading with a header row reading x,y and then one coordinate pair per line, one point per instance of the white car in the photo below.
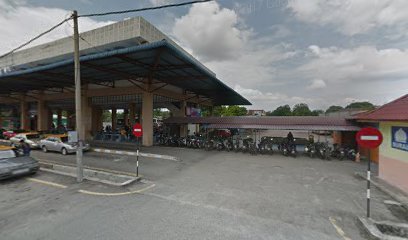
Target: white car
x,y
31,138
60,144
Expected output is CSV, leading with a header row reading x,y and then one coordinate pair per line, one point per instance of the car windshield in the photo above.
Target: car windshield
x,y
7,154
33,136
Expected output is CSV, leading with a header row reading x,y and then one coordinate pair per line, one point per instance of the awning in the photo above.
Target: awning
x,y
160,60
307,123
284,127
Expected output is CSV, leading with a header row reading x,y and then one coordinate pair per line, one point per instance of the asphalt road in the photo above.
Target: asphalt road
x,y
207,195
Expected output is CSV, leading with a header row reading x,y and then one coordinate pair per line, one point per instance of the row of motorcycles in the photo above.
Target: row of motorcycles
x,y
266,145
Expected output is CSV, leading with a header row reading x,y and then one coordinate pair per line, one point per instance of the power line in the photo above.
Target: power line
x,y
144,9
35,38
100,14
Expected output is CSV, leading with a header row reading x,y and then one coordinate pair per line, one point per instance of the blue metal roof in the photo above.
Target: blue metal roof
x,y
167,63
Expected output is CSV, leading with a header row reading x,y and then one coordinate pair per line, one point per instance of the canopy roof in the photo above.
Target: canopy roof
x,y
160,61
307,123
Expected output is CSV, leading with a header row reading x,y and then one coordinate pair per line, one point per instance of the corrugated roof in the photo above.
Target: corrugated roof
x,y
278,123
174,67
286,127
396,110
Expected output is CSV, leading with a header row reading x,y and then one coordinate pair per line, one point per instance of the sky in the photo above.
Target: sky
x,y
273,52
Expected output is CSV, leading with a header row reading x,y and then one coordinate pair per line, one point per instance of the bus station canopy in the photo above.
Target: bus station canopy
x,y
160,61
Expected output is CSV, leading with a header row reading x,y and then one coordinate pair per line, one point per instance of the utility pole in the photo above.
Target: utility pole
x,y
78,111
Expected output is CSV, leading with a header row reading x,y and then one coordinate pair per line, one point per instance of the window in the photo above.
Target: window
x,y
7,154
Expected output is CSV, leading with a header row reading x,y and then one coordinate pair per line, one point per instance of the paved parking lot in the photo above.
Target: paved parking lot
x,y
207,195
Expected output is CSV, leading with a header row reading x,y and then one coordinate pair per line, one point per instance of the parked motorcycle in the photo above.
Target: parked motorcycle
x,y
310,150
338,152
265,147
284,148
323,151
292,149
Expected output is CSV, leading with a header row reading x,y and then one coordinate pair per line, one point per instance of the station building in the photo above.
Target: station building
x,y
392,120
128,65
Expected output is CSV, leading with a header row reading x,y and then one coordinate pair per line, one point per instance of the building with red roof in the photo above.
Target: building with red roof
x,y
392,119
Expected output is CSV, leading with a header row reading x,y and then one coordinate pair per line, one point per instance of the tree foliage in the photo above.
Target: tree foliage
x,y
317,112
334,108
301,109
235,111
281,111
360,105
219,111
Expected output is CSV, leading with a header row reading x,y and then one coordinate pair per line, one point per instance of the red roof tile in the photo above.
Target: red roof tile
x,y
396,110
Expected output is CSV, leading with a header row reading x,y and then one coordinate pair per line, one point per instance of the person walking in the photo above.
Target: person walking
x,y
26,147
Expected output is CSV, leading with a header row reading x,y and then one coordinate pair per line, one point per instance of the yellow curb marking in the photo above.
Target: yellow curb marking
x,y
46,182
338,229
116,194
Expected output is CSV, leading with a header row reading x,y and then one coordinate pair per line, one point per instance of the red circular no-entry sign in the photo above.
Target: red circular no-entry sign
x,y
137,130
369,137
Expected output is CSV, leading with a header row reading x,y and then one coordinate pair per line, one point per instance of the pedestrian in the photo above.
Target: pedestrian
x,y
290,137
26,147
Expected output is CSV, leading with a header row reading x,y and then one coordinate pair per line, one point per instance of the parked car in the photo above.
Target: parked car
x,y
32,138
59,143
12,165
8,134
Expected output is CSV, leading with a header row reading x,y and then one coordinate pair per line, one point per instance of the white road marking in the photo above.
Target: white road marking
x,y
150,155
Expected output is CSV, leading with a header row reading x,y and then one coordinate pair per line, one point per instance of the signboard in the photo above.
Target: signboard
x,y
193,112
137,130
72,137
399,139
369,137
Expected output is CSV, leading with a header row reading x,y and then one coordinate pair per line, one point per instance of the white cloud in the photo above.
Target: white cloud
x,y
357,64
270,101
317,84
21,22
351,17
211,31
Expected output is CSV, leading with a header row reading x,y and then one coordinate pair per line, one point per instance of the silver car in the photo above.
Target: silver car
x,y
12,165
30,138
60,144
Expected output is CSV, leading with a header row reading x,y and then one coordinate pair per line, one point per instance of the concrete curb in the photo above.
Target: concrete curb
x,y
131,153
396,196
371,227
90,174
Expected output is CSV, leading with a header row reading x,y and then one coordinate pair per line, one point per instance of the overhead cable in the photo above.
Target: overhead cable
x,y
144,9
35,38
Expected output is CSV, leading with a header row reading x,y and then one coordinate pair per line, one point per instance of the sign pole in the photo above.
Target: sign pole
x,y
368,183
369,138
137,132
137,157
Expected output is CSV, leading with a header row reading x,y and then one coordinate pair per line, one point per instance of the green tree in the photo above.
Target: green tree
x,y
301,109
218,111
360,105
235,111
317,112
334,108
161,113
282,111
106,116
